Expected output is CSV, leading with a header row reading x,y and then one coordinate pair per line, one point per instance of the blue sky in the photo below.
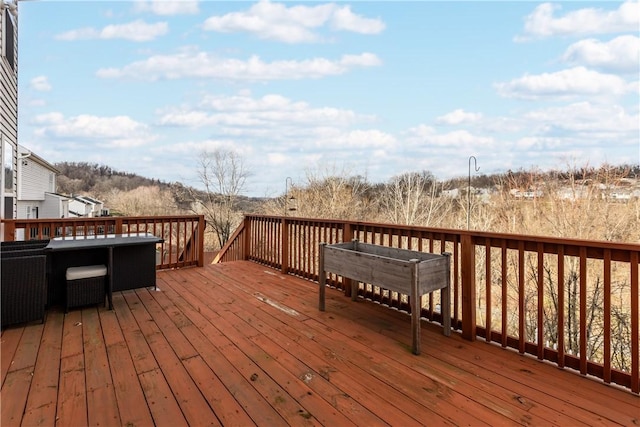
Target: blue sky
x,y
361,88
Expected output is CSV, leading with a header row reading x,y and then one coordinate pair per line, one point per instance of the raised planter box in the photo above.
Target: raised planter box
x,y
409,272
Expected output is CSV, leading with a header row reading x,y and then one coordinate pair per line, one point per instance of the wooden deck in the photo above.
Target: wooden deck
x,y
241,344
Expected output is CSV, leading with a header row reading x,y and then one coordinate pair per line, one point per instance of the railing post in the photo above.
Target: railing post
x,y
347,232
347,236
118,226
322,276
201,228
246,241
468,273
9,230
415,301
285,245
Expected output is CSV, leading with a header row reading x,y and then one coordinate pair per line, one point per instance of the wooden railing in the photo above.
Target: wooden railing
x,y
183,236
570,302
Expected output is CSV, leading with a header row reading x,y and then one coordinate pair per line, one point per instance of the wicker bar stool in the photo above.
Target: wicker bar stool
x,y
86,285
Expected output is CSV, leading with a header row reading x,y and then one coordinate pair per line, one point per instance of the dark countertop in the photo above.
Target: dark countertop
x,y
85,242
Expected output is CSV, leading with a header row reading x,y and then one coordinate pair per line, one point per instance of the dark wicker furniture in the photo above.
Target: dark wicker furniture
x,y
18,245
23,286
88,290
130,261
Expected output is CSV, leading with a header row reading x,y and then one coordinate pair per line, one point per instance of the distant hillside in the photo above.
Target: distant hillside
x,y
101,181
91,178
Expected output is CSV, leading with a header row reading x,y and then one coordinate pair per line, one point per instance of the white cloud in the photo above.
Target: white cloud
x,y
584,119
295,24
425,137
36,103
362,60
418,134
566,83
359,140
117,131
344,19
137,31
622,54
268,112
166,7
40,83
460,140
244,102
542,22
459,116
79,34
277,159
208,66
539,143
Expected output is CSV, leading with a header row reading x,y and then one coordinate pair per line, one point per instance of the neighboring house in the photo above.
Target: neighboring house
x,y
528,194
8,108
86,207
574,193
454,194
36,188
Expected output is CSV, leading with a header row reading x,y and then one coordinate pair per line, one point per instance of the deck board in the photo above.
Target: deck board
x,y
71,407
102,407
241,344
193,405
10,340
41,405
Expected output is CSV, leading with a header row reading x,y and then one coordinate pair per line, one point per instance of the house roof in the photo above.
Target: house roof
x,y
61,196
86,200
25,153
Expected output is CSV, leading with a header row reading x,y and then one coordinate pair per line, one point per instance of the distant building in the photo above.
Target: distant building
x,y
36,188
86,207
528,194
454,193
620,195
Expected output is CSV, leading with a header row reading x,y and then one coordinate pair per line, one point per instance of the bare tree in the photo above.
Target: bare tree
x,y
223,175
332,193
141,201
413,198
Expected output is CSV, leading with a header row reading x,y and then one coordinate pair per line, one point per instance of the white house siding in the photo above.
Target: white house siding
x,y
55,206
8,105
30,209
80,208
34,181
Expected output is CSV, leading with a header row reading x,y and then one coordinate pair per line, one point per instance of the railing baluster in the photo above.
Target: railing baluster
x,y
540,284
188,248
607,316
487,279
503,253
635,335
561,302
521,277
521,307
456,282
583,310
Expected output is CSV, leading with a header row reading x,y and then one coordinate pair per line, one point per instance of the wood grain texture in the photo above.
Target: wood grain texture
x,y
208,349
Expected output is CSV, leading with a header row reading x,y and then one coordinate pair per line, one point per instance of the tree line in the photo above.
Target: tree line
x,y
413,198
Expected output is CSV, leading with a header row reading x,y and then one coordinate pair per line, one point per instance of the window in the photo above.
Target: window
x,y
8,207
8,41
7,179
32,212
7,162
